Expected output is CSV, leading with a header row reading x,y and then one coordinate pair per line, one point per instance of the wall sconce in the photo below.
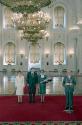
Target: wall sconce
x,y
79,22
47,52
71,53
22,53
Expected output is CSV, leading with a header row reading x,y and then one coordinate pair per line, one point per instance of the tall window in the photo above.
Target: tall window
x,y
9,54
7,22
59,53
35,56
59,17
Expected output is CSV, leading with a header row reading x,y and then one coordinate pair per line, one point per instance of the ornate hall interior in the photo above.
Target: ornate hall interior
x,y
48,38
43,35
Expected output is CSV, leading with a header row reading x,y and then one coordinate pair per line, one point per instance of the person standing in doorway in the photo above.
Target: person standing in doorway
x,y
19,84
69,83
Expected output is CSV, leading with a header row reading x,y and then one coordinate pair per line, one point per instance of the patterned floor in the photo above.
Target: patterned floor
x,y
43,123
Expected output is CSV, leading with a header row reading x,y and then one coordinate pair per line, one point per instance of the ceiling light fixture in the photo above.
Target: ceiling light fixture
x,y
25,6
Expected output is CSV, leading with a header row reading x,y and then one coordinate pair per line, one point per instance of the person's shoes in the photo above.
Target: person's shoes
x,y
71,109
66,109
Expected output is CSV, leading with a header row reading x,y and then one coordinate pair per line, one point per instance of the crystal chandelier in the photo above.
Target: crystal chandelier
x,y
36,20
33,38
32,26
25,6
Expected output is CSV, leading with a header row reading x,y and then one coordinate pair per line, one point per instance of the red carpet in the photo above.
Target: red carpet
x,y
51,110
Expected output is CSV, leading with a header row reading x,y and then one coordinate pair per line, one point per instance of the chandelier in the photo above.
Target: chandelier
x,y
31,26
36,20
33,38
25,6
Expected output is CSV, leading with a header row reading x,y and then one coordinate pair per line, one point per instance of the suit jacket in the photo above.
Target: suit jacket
x,y
69,80
32,80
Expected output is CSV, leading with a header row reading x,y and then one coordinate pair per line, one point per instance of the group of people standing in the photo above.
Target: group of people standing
x,y
33,79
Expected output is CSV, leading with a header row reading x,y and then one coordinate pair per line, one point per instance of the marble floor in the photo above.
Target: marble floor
x,y
7,85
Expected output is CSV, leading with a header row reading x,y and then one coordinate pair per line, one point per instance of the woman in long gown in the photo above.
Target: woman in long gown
x,y
19,84
42,85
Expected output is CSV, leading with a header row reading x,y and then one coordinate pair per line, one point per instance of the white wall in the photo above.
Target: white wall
x,y
72,11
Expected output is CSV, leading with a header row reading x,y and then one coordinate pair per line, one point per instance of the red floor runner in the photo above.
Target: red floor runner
x,y
51,110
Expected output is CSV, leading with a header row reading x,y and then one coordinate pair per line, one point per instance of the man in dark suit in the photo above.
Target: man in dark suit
x,y
32,80
69,82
